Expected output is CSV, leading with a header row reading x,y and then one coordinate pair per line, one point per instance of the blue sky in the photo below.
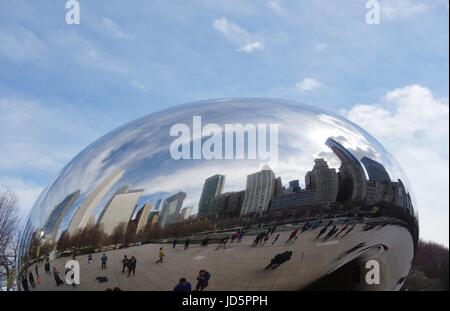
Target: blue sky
x,y
62,86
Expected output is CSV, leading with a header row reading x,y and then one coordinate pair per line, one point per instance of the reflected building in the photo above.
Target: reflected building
x,y
119,210
153,218
212,189
278,186
375,170
143,216
57,215
85,211
352,174
121,190
171,209
376,192
323,181
294,185
185,213
400,198
299,200
259,190
234,204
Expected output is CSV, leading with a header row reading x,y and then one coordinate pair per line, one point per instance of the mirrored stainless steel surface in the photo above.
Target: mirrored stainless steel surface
x,y
314,211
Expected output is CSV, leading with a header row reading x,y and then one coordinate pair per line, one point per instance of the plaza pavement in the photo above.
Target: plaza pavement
x,y
239,266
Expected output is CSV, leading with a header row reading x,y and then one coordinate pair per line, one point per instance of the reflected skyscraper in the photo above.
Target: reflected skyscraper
x,y
324,181
375,170
376,192
57,215
278,186
353,177
208,200
85,211
171,209
142,216
119,210
260,188
122,189
185,213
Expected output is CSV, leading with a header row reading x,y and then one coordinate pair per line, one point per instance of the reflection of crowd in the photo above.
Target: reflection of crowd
x,y
269,236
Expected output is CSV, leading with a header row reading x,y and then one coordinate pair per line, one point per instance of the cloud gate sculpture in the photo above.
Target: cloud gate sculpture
x,y
229,194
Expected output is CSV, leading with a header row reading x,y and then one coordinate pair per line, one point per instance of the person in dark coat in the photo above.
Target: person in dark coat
x,y
186,243
202,280
125,262
56,276
183,286
47,266
104,259
25,283
31,279
132,265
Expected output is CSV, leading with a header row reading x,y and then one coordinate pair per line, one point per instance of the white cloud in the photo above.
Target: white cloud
x,y
237,35
320,47
26,192
248,48
112,28
139,86
36,141
414,126
36,137
401,9
276,6
308,84
20,44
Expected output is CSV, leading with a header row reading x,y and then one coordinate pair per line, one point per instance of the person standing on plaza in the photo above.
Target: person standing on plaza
x,y
266,238
104,259
202,280
90,258
293,234
161,255
186,243
47,266
183,286
256,241
241,235
25,283
276,238
132,266
125,262
56,276
38,277
31,279
36,270
174,243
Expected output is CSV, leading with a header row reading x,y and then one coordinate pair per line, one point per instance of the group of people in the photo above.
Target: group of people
x,y
335,231
186,243
28,279
263,237
202,282
129,264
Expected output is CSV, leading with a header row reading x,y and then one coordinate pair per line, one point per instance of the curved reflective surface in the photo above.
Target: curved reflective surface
x,y
229,194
